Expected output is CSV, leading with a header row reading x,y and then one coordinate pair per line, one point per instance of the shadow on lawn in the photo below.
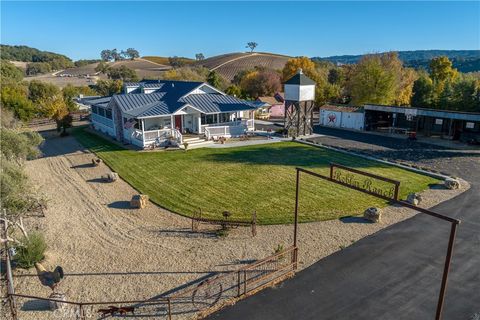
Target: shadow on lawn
x,y
291,155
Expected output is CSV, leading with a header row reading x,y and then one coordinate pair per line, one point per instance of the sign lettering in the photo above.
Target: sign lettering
x,y
367,183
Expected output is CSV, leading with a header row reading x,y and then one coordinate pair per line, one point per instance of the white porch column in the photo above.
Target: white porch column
x,y
253,119
172,121
199,119
143,132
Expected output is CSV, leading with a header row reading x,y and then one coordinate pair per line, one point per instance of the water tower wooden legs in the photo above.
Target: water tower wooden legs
x,y
299,118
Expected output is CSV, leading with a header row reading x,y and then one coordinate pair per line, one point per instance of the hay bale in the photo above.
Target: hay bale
x,y
54,305
373,214
452,184
414,198
139,201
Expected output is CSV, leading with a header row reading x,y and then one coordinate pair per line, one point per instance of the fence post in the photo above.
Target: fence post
x,y
9,276
295,258
169,309
80,312
448,260
238,283
244,281
397,187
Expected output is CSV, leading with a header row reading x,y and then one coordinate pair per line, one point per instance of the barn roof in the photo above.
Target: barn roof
x,y
341,108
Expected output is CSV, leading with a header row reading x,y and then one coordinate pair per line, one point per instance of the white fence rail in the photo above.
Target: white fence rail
x,y
157,135
224,131
248,123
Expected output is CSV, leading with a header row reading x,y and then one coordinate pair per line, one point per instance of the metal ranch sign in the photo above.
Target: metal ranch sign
x,y
365,182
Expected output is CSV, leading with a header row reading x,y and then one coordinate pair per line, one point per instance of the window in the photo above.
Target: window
x,y
108,113
224,117
94,109
101,112
166,122
209,118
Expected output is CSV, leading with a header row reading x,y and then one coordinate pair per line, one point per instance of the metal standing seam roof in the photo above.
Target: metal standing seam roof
x,y
103,105
180,85
152,85
214,103
127,102
169,98
152,109
94,100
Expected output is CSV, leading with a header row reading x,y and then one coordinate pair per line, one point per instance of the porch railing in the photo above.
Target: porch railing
x,y
249,123
154,135
216,131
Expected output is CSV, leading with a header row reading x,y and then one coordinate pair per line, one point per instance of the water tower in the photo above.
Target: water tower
x,y
299,103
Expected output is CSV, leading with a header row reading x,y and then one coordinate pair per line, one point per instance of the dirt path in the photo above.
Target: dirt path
x,y
110,252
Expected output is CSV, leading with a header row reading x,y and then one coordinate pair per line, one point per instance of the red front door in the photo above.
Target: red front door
x,y
178,123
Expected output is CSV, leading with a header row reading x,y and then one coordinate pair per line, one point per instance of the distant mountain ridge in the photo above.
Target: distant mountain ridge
x,y
463,60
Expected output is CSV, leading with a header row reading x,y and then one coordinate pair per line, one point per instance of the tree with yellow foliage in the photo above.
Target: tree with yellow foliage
x,y
441,73
293,65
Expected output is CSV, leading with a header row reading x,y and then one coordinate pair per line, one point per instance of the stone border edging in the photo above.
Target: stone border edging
x,y
417,170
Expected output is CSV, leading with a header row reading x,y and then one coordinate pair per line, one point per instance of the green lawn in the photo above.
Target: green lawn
x,y
244,179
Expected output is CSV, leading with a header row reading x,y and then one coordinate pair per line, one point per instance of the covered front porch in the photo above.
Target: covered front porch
x,y
157,130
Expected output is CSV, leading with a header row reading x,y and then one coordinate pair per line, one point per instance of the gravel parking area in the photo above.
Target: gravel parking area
x,y
451,162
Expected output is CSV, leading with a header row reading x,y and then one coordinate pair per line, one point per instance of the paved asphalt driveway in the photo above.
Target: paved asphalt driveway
x,y
396,273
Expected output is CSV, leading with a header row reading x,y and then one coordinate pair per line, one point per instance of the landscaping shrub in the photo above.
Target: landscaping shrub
x,y
222,233
32,251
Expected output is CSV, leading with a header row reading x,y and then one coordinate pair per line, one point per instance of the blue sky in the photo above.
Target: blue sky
x,y
83,29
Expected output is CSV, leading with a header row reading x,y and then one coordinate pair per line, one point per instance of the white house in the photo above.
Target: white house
x,y
154,111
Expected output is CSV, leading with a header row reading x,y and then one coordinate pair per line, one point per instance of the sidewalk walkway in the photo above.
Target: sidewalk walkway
x,y
247,143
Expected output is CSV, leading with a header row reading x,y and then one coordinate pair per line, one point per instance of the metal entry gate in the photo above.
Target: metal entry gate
x,y
392,197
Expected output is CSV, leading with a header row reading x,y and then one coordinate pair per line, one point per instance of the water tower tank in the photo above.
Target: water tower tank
x,y
300,88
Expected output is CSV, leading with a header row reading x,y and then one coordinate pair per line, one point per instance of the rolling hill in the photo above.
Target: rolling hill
x,y
144,68
228,65
32,55
463,60
166,61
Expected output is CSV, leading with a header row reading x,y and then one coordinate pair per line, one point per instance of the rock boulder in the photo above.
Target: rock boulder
x,y
414,198
54,305
373,214
452,184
